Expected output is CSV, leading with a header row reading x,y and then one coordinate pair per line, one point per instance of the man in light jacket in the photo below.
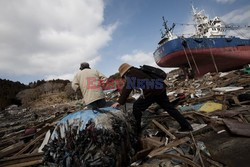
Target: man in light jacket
x,y
90,82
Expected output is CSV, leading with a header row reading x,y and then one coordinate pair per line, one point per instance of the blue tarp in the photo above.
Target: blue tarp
x,y
80,119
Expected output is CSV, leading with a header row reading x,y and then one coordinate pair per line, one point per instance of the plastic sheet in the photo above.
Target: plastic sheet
x,y
79,119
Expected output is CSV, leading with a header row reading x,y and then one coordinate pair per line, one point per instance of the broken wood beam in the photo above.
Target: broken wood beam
x,y
168,146
22,160
141,154
238,128
153,142
214,163
197,150
29,163
160,126
11,149
203,115
30,144
243,118
236,100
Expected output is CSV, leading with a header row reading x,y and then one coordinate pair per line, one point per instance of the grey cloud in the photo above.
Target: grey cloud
x,y
239,17
50,37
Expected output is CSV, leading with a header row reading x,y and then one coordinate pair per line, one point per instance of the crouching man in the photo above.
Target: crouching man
x,y
156,92
90,82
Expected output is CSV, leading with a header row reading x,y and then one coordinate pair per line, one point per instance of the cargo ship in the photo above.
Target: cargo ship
x,y
208,50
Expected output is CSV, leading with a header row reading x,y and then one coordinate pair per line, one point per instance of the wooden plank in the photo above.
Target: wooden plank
x,y
199,118
13,130
245,102
141,154
163,129
11,149
44,129
197,150
201,99
9,135
231,113
6,143
45,141
200,114
168,146
236,100
243,118
238,128
214,163
20,159
30,144
29,163
154,142
15,138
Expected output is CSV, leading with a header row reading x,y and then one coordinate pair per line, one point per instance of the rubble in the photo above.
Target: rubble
x,y
213,111
22,130
92,138
216,105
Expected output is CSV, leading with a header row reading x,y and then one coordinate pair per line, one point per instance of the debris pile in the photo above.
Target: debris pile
x,y
92,138
210,86
22,131
216,105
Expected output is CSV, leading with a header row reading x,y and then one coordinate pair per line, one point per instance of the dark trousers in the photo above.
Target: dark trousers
x,y
143,103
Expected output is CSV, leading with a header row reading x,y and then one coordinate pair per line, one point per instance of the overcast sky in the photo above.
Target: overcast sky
x,y
48,39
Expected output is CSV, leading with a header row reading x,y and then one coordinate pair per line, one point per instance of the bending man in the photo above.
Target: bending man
x,y
136,78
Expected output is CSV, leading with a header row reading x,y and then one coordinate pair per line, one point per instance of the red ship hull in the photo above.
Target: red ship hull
x,y
204,60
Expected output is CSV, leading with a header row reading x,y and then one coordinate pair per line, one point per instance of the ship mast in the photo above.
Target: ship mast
x,y
168,31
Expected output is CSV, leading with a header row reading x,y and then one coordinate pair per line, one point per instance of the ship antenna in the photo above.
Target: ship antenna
x,y
165,24
162,34
193,9
172,28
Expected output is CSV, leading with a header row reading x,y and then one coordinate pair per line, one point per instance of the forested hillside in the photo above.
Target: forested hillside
x,y
8,91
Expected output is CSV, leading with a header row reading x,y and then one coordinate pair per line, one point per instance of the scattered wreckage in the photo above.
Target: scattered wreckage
x,y
217,106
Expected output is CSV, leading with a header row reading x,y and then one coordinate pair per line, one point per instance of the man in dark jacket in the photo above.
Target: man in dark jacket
x,y
154,90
